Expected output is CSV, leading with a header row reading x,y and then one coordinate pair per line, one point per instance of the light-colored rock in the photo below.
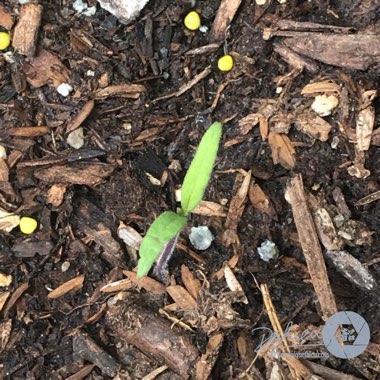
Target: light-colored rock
x,y
124,10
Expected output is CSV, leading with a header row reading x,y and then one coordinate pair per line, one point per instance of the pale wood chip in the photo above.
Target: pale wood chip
x,y
6,19
8,221
261,201
224,16
132,91
236,209
130,236
357,169
283,152
313,125
207,361
248,122
148,283
28,131
26,31
368,199
77,121
308,237
95,317
14,297
209,209
56,194
365,123
233,283
117,286
5,280
155,373
70,286
323,86
3,298
5,333
4,170
367,98
181,297
192,284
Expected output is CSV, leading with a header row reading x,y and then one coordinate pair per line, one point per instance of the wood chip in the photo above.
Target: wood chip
x,y
181,297
311,248
6,19
261,201
82,373
354,51
56,194
44,68
26,31
207,361
224,16
192,284
14,297
248,122
8,221
365,123
313,125
28,131
5,280
321,87
80,173
131,91
70,286
234,284
236,209
368,199
5,333
283,152
148,283
77,121
155,373
3,298
117,286
209,209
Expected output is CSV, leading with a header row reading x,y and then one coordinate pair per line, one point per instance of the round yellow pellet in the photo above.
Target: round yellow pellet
x,y
192,21
28,225
5,40
225,63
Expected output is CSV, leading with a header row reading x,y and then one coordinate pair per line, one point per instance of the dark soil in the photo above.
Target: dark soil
x,y
39,341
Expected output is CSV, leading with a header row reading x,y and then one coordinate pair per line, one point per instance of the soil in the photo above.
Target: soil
x,y
127,142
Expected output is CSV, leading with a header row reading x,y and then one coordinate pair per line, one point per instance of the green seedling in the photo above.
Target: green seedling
x,y
169,224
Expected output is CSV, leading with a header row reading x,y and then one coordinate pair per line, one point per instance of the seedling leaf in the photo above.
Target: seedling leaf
x,y
198,175
164,228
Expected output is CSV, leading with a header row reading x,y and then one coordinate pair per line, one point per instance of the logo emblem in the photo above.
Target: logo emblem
x,y
346,334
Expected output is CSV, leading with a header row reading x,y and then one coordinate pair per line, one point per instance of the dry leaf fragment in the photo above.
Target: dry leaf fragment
x,y
364,127
261,201
70,286
148,283
283,152
192,284
132,91
55,194
181,297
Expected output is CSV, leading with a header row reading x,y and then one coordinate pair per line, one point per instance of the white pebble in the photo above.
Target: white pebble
x,y
76,138
267,250
323,105
64,89
201,237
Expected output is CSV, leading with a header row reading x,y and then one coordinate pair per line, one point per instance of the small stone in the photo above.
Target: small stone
x,y
267,250
201,237
124,10
323,105
65,266
76,138
64,89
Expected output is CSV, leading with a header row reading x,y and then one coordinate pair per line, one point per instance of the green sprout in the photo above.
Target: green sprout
x,y
169,224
